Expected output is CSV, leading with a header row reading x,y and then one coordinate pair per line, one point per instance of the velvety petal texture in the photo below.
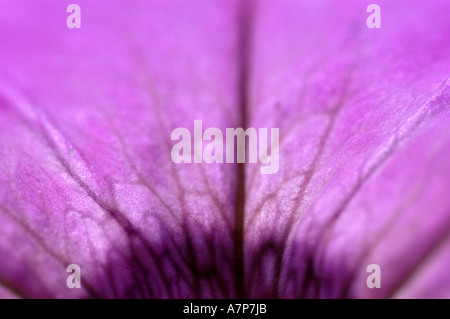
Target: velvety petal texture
x,y
86,175
364,146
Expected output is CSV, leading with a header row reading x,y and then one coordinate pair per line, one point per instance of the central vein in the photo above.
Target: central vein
x,y
244,29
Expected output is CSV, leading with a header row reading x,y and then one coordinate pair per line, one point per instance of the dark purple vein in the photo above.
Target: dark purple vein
x,y
244,27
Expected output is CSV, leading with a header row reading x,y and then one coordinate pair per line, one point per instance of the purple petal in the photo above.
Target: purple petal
x,y
86,175
364,147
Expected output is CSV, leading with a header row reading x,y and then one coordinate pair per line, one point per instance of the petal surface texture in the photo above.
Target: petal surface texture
x,y
364,147
86,174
